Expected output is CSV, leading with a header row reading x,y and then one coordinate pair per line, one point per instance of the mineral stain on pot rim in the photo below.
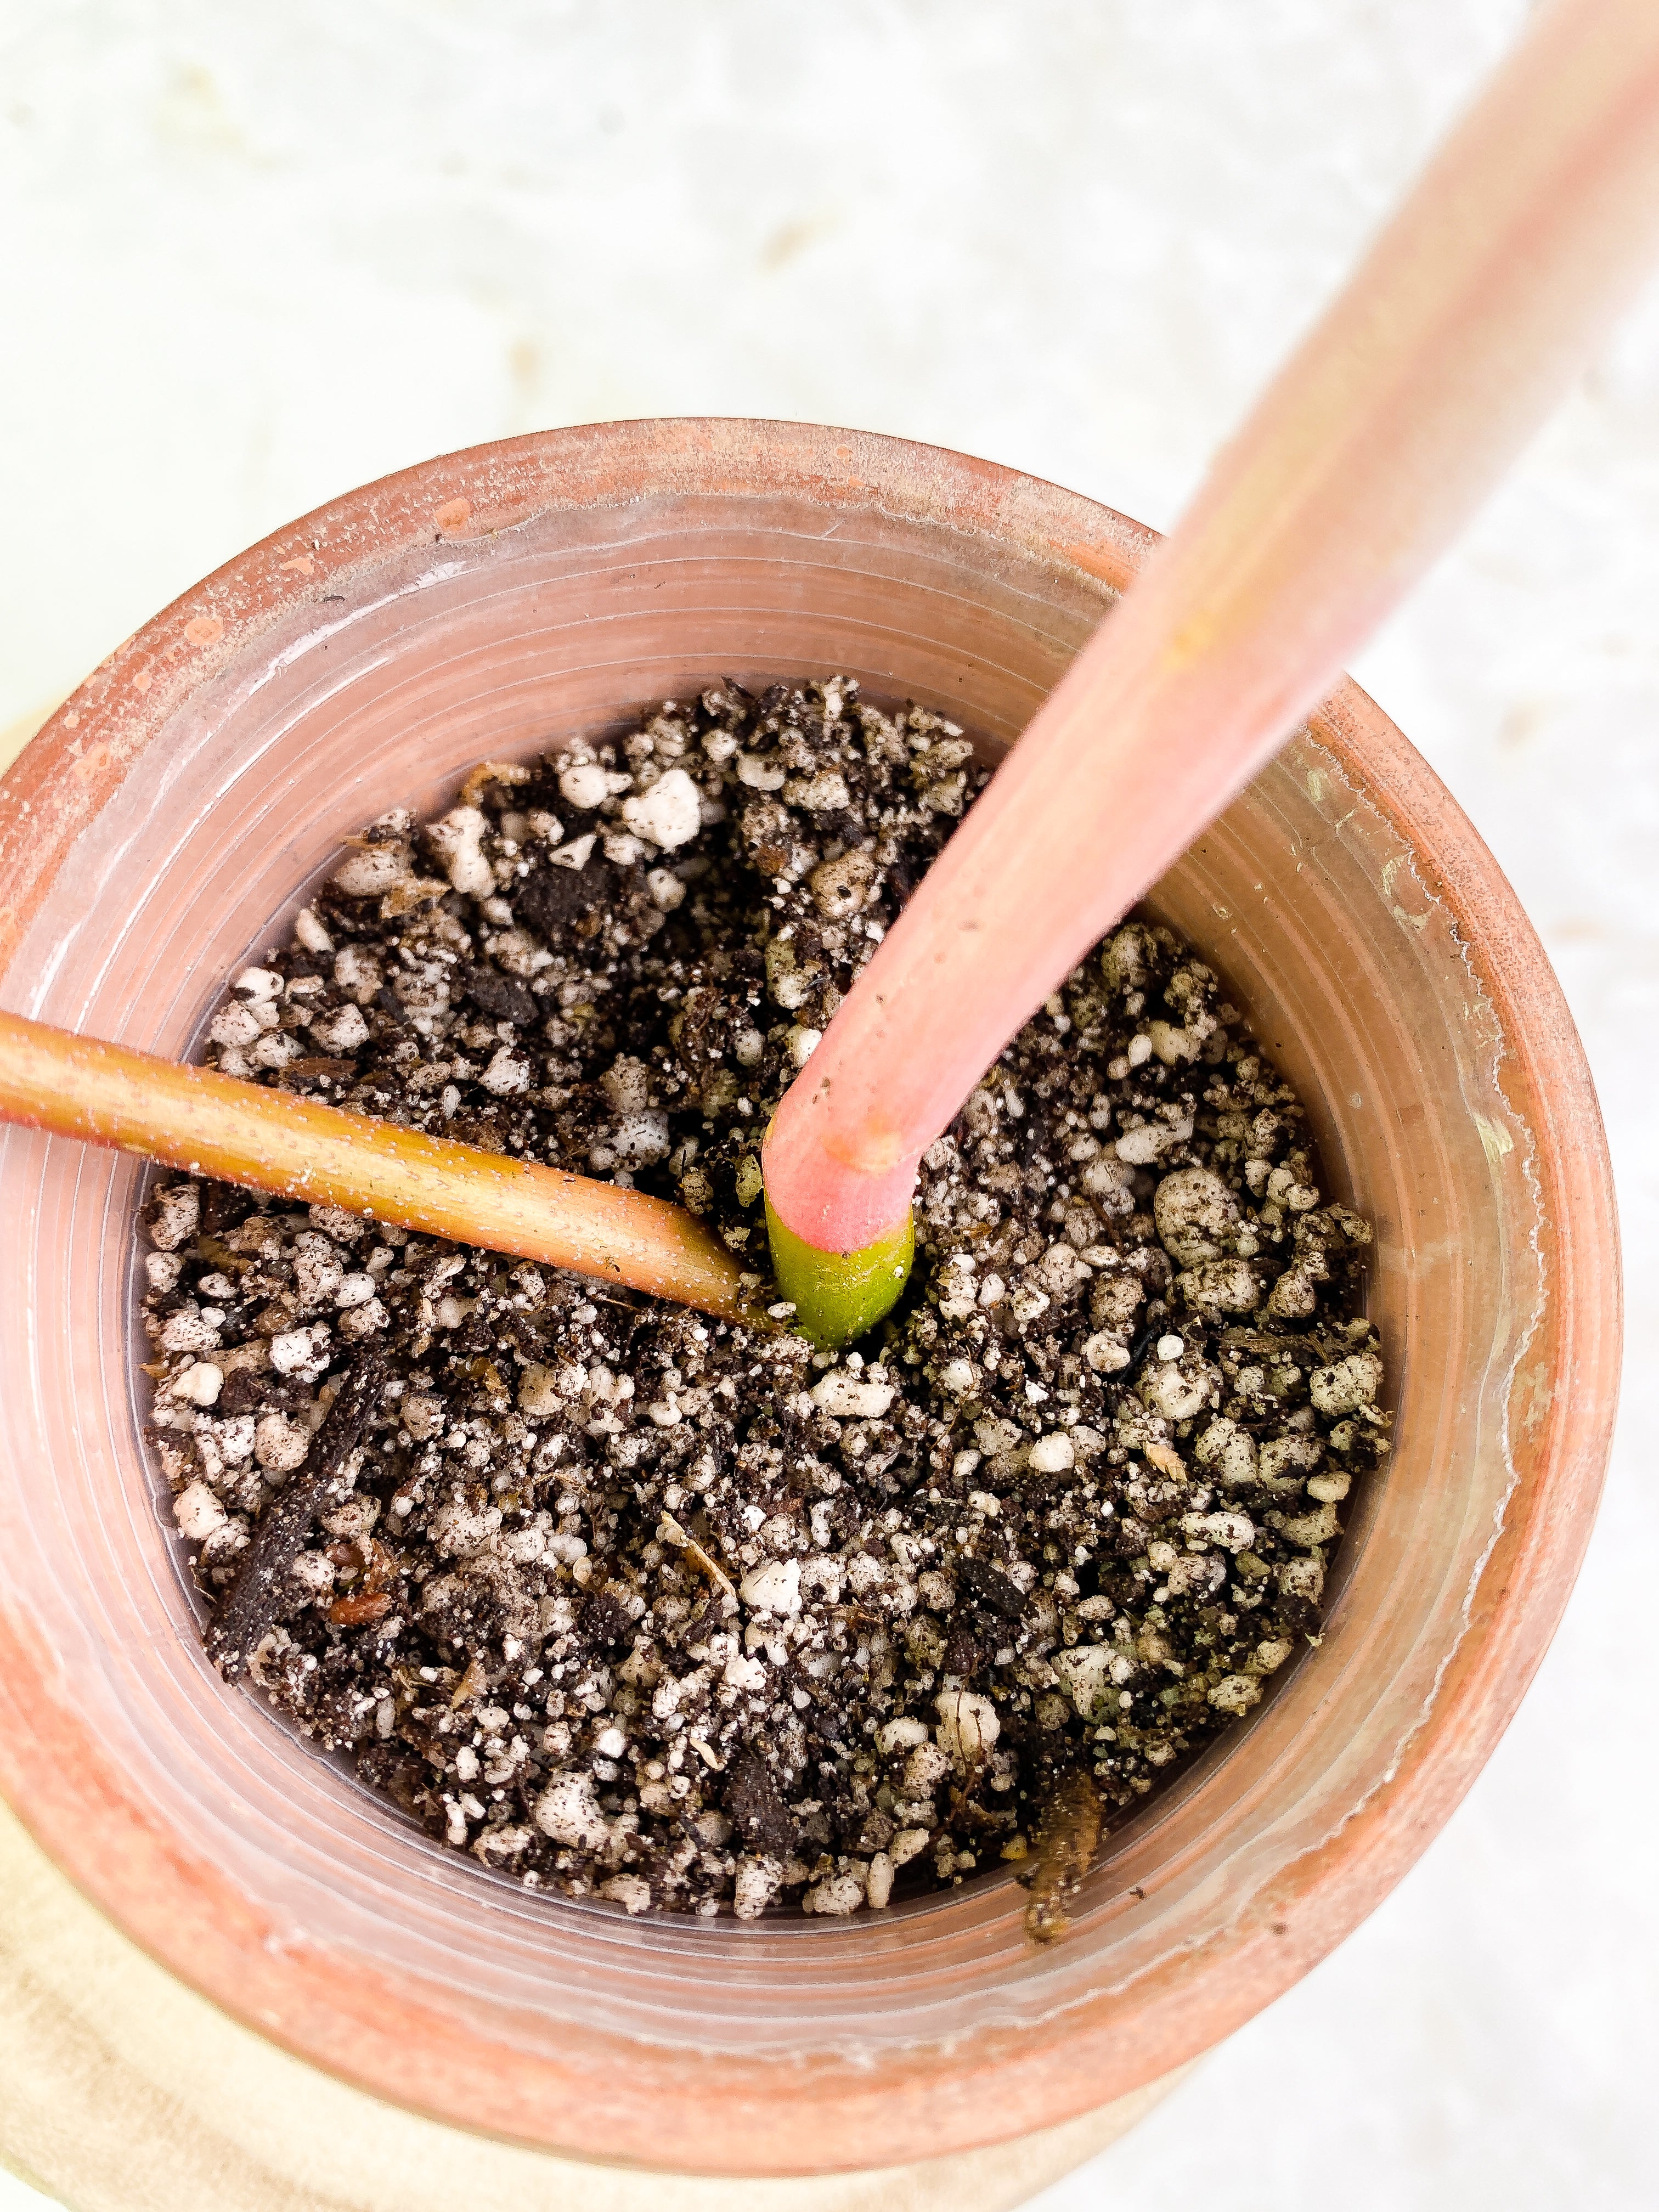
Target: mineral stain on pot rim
x,y
624,1600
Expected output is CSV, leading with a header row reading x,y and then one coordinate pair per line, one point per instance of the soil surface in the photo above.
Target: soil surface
x,y
621,1599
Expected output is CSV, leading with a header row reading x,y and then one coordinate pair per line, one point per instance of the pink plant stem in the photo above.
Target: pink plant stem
x,y
1388,424
210,1124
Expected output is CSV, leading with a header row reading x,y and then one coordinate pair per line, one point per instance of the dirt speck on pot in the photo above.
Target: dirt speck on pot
x,y
624,1600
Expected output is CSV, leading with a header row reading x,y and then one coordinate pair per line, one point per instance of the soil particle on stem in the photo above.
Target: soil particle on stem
x,y
624,1600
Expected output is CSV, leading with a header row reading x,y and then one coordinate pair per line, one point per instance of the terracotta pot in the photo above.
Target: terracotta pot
x,y
485,604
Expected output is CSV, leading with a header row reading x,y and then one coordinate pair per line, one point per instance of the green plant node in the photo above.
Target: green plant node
x,y
839,1295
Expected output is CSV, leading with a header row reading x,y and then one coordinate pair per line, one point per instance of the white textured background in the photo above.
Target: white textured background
x,y
252,255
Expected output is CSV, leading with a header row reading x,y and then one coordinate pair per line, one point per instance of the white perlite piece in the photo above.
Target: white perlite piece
x,y
198,1512
758,1882
669,814
627,1084
838,1894
854,1397
234,1024
773,1588
315,1573
279,1445
568,1811
507,1074
357,971
455,840
371,872
927,1766
539,1393
1106,1353
640,1140
1197,1217
178,1210
1347,1385
317,1273
585,786
1234,1532
628,1890
1303,1577
1085,1674
341,1032
825,792
199,1384
1052,1454
193,1328
903,1734
967,1726
301,1351
839,887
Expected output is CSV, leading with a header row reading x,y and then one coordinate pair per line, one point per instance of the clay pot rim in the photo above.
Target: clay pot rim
x,y
1001,2083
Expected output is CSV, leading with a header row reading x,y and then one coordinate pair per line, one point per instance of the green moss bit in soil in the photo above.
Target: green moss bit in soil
x,y
624,1600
